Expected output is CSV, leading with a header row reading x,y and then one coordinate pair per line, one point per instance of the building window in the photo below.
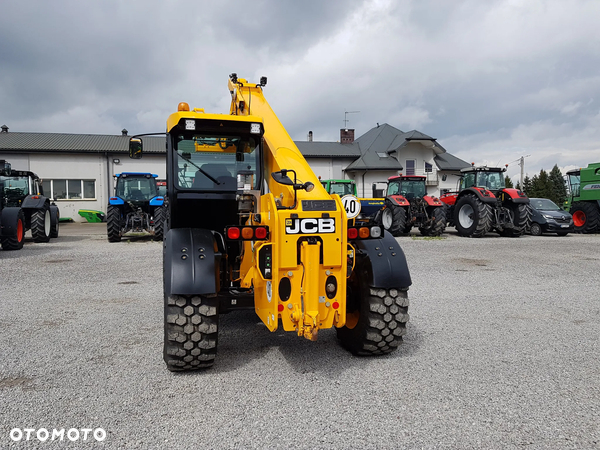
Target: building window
x,y
428,168
410,167
70,189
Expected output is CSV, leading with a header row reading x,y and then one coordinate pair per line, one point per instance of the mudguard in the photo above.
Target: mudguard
x,y
482,194
514,195
116,201
8,221
449,198
34,202
432,201
384,262
397,200
191,264
157,201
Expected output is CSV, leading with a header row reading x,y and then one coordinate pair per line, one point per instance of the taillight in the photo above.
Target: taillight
x,y
261,233
233,233
249,233
373,232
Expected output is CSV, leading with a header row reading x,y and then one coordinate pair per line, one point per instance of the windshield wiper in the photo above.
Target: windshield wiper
x,y
199,168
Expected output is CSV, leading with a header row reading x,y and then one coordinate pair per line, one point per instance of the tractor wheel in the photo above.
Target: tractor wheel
x,y
586,217
191,326
398,220
438,215
54,221
41,224
159,223
113,224
15,242
535,229
521,219
375,322
472,217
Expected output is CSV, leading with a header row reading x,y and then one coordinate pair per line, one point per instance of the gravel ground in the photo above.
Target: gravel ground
x,y
501,352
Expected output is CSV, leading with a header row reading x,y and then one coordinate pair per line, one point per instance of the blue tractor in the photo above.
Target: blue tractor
x,y
136,207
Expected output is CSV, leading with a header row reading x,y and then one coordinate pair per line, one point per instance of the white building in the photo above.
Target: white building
x,y
382,152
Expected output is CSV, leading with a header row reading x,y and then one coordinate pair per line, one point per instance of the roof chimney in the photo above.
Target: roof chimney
x,y
4,129
124,132
346,136
310,136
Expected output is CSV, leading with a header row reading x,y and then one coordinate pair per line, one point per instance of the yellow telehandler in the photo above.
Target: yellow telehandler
x,y
249,225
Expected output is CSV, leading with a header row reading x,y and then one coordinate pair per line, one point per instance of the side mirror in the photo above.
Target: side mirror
x,y
444,177
135,148
282,178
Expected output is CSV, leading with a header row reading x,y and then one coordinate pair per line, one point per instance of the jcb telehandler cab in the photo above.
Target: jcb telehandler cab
x,y
250,226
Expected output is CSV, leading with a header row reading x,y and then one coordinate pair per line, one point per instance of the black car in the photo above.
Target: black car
x,y
547,217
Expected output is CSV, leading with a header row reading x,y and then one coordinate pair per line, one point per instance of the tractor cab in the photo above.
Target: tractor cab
x,y
137,188
340,187
18,185
574,179
407,186
489,179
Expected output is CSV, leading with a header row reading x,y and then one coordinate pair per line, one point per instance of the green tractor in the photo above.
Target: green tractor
x,y
584,198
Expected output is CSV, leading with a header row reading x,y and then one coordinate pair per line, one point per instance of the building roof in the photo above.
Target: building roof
x,y
374,161
447,161
314,149
64,142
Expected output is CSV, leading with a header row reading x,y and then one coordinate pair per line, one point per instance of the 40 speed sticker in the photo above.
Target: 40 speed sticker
x,y
351,205
310,225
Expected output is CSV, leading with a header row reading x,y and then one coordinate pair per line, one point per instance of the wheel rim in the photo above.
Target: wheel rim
x,y
535,229
20,230
465,216
579,218
387,219
47,223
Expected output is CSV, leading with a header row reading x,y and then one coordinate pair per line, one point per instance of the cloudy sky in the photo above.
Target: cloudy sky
x,y
492,80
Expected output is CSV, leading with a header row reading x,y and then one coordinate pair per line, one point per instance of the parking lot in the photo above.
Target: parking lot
x,y
501,352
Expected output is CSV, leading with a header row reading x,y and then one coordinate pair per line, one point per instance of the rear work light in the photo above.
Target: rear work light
x,y
249,233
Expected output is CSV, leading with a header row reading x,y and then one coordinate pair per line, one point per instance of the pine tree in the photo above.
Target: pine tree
x,y
558,188
534,188
508,182
526,185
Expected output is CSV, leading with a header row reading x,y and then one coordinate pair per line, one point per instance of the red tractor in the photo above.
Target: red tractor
x,y
411,206
484,203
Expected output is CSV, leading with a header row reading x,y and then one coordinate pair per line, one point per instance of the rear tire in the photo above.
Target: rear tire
x,y
41,224
54,221
472,217
15,242
438,215
191,332
535,229
399,220
159,223
586,217
521,219
376,318
113,224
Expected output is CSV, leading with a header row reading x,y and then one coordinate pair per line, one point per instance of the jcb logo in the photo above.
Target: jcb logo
x,y
309,226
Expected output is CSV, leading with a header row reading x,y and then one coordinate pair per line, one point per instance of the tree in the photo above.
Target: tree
x,y
540,185
526,185
558,189
508,182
